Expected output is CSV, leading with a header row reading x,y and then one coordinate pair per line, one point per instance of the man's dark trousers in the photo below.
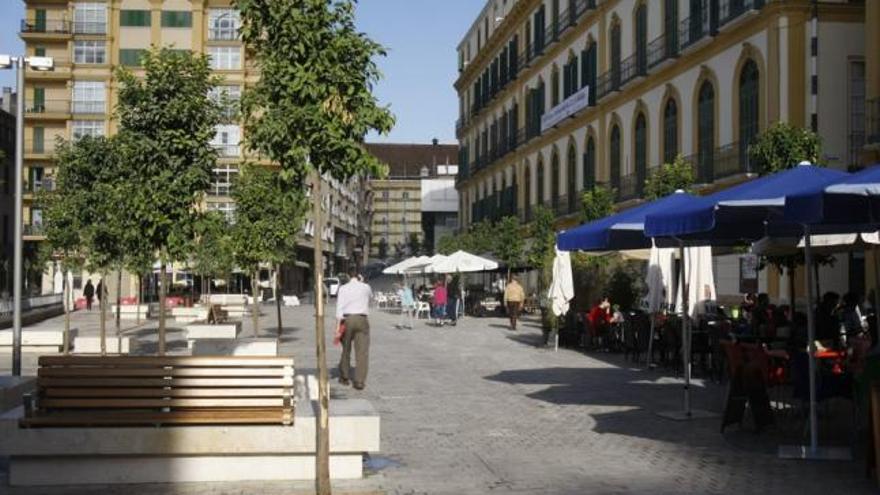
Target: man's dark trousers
x,y
357,333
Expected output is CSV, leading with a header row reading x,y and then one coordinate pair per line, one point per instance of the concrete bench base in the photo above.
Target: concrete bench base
x,y
92,345
206,331
234,347
189,315
130,311
35,340
12,388
123,455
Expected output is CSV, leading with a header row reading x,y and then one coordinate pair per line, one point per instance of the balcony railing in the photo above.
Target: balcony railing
x,y
872,121
88,107
45,26
39,147
34,229
228,150
693,29
223,34
729,10
45,184
722,162
47,106
629,187
89,27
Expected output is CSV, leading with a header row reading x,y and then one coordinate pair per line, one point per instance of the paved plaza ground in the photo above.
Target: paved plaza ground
x,y
477,409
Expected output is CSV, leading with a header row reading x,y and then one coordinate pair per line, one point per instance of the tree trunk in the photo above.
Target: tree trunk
x,y
278,300
255,310
140,290
118,304
322,430
103,305
162,292
66,291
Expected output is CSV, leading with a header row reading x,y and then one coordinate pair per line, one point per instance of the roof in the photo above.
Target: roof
x,y
407,160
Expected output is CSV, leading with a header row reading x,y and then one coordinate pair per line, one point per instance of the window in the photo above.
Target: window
x,y
405,194
527,191
385,195
131,57
80,128
225,57
670,27
572,179
227,97
40,51
670,131
226,208
641,151
134,18
554,12
642,39
540,192
88,97
554,181
857,113
706,132
615,157
227,140
36,176
540,30
89,52
554,87
615,57
90,18
222,180
590,164
223,24
748,108
589,71
39,140
176,19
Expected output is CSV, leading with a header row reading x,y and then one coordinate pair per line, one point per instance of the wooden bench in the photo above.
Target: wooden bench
x,y
146,390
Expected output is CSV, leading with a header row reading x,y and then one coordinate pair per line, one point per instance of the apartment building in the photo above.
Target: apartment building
x,y
558,95
89,39
418,197
7,192
871,154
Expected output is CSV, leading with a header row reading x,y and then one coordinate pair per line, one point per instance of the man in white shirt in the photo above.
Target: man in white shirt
x,y
352,309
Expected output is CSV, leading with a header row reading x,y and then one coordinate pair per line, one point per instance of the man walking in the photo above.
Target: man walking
x,y
89,293
352,309
514,295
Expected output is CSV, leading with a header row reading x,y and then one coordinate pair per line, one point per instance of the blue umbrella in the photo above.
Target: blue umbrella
x,y
746,213
743,213
851,201
621,231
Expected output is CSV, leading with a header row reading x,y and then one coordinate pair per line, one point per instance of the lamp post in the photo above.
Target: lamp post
x,y
20,64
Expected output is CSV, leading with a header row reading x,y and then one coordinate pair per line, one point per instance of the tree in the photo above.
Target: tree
x,y
668,178
427,248
449,244
268,215
783,146
309,113
212,255
383,249
542,233
509,245
414,245
597,203
166,123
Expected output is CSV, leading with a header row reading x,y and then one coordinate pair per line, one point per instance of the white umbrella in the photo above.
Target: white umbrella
x,y
426,265
562,287
700,281
401,268
463,262
659,281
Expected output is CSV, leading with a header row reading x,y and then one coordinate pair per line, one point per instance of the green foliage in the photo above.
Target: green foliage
x,y
212,254
449,244
313,104
597,203
414,245
509,245
166,123
783,146
383,249
623,287
541,251
668,178
268,216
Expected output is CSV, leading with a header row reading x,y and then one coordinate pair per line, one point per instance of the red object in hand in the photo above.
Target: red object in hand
x,y
340,332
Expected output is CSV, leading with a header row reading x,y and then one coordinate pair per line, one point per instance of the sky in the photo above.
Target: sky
x,y
421,37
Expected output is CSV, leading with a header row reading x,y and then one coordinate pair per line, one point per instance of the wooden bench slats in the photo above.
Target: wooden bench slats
x,y
127,418
161,382
156,361
166,392
140,390
163,372
137,403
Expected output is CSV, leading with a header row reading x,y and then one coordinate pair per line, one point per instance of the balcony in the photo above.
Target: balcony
x,y
228,33
39,149
88,107
722,163
36,230
89,27
227,150
872,122
731,13
630,187
44,184
692,30
45,28
47,109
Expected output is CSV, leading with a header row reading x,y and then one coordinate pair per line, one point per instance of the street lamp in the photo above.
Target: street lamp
x,y
19,63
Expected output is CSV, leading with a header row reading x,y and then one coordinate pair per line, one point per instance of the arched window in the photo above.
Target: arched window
x,y
540,193
590,164
706,132
572,178
670,131
514,201
615,57
554,87
670,27
641,152
589,70
555,21
539,29
527,192
642,39
748,108
555,178
615,157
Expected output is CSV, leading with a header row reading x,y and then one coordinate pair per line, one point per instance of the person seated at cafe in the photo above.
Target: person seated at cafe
x,y
851,318
827,321
748,305
599,318
763,325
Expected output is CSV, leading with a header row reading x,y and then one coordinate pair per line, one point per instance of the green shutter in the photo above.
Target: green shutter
x,y
39,104
130,57
38,139
134,18
176,19
40,20
40,51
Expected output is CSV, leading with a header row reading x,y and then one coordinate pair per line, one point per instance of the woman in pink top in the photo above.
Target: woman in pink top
x,y
440,300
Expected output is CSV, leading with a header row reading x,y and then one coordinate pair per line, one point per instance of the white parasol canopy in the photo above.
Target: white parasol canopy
x,y
562,288
427,265
832,243
402,267
700,280
660,278
463,262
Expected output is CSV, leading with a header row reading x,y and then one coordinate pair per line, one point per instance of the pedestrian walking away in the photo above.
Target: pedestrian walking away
x,y
352,310
440,301
99,291
514,296
89,294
